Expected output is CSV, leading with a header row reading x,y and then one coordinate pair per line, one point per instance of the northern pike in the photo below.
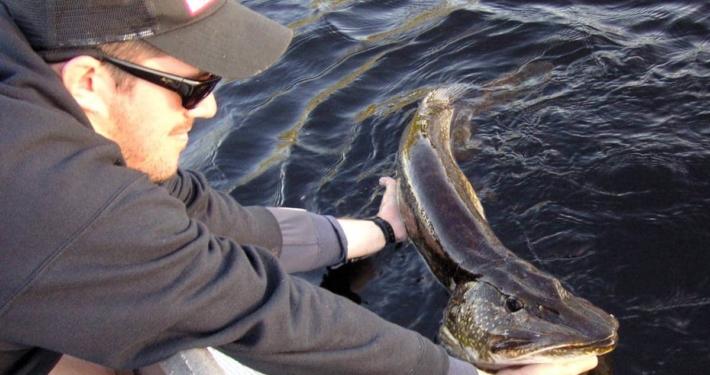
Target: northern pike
x,y
503,310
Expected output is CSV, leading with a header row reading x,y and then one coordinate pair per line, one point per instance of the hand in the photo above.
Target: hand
x,y
363,236
574,366
389,209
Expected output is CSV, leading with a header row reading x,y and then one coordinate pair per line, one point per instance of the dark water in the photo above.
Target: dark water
x,y
597,171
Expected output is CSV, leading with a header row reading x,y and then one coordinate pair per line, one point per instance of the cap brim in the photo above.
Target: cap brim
x,y
234,42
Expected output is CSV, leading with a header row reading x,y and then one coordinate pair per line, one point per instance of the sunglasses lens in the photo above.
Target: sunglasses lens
x,y
199,93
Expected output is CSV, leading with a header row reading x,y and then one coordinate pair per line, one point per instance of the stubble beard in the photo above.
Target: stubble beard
x,y
139,155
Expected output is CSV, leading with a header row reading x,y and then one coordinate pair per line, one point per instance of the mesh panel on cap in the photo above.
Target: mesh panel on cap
x,y
31,17
92,22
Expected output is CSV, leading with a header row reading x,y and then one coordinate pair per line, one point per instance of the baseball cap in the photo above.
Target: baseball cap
x,y
222,37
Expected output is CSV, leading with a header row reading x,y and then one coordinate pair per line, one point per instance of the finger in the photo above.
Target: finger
x,y
582,364
388,195
387,181
573,366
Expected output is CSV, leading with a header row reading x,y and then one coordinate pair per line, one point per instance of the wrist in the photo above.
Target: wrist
x,y
386,228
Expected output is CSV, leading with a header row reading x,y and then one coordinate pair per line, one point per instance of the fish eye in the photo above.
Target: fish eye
x,y
513,304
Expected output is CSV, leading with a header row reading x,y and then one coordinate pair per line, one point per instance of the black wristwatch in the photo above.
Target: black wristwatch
x,y
386,229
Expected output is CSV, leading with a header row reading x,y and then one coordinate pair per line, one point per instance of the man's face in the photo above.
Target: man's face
x,y
149,123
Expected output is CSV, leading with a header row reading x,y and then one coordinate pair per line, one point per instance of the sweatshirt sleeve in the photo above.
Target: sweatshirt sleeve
x,y
459,367
222,214
302,240
143,280
310,241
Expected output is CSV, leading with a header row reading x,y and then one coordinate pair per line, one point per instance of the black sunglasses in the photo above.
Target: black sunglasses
x,y
191,91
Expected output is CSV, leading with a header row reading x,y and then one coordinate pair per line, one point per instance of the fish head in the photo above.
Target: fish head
x,y
492,327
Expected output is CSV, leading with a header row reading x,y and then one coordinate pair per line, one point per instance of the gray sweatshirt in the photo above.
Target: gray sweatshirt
x,y
98,262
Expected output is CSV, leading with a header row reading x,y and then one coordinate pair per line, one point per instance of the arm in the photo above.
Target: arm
x,y
311,241
300,239
223,215
364,237
142,281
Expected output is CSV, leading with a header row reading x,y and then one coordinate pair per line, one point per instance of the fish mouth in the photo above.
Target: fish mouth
x,y
517,352
520,352
598,347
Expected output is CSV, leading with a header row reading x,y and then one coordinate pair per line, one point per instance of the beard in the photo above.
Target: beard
x,y
145,149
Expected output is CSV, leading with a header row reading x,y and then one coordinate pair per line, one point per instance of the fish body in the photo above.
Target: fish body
x,y
503,311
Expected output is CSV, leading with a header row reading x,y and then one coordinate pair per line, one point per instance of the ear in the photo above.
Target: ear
x,y
90,84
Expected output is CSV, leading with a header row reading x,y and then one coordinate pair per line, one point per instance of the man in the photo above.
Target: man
x,y
110,253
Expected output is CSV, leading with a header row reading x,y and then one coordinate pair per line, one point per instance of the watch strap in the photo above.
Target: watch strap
x,y
386,229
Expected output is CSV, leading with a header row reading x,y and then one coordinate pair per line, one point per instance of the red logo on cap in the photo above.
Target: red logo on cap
x,y
195,6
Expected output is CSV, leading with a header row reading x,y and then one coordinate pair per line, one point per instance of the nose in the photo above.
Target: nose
x,y
207,108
